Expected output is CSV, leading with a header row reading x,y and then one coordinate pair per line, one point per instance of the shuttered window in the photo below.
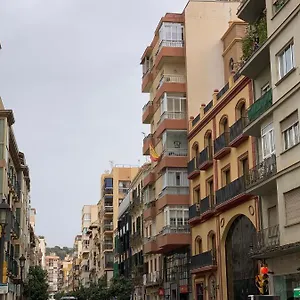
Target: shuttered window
x,y
292,206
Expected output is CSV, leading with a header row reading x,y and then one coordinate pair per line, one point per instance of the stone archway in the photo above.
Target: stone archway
x,y
240,267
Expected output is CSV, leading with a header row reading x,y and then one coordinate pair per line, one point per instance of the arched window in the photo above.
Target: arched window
x,y
212,242
195,150
240,109
208,139
224,126
198,245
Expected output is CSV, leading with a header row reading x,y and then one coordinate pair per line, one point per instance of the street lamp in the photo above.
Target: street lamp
x,y
5,214
22,260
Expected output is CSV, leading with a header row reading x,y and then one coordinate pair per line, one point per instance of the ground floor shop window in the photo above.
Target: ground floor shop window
x,y
284,285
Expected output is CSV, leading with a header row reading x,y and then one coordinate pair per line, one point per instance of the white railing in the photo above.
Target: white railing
x,y
171,79
149,103
172,115
175,152
176,229
170,43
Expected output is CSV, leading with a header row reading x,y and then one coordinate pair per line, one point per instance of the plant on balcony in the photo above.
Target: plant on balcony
x,y
256,35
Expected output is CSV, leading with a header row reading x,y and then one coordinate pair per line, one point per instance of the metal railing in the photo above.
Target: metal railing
x,y
206,155
180,115
208,106
267,239
176,229
261,172
170,43
196,120
237,129
148,104
108,227
175,152
108,208
260,106
153,278
107,246
192,165
223,91
207,204
204,259
149,136
230,191
194,211
221,142
171,79
15,226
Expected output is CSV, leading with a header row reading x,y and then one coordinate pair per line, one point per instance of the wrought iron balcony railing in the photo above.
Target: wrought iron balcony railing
x,y
107,227
261,172
230,191
205,155
192,165
237,129
205,205
204,259
221,142
260,106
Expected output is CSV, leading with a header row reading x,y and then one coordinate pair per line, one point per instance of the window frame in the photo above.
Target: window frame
x,y
294,129
270,137
282,59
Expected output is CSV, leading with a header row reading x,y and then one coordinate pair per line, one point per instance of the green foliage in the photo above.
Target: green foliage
x,y
36,288
61,252
255,32
120,287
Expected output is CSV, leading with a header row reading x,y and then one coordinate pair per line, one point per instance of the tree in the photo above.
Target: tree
x,y
36,287
121,288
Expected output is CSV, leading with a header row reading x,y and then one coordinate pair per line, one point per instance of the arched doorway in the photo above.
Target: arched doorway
x,y
240,267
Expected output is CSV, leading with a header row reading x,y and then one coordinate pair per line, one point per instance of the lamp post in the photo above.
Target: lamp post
x,y
4,220
22,260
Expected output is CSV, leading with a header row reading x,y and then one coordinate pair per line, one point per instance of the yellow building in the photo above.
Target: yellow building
x,y
181,61
222,216
114,186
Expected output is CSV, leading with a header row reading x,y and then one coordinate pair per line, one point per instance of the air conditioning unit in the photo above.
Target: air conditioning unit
x,y
197,207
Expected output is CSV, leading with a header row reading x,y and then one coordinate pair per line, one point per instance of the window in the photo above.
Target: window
x,y
272,216
197,195
198,245
210,187
243,166
208,139
226,176
268,142
171,32
286,60
87,217
290,131
175,178
173,104
292,206
265,88
224,127
176,216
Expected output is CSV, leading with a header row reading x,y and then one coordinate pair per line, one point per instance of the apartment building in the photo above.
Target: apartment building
x,y
14,190
182,48
94,251
52,268
272,62
136,209
76,262
42,246
89,215
114,187
223,216
65,275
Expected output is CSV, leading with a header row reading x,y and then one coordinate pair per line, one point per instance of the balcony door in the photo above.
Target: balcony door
x,y
241,269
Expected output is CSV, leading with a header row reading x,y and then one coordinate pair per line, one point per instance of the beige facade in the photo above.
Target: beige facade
x,y
52,268
89,215
94,251
114,187
76,263
14,190
274,120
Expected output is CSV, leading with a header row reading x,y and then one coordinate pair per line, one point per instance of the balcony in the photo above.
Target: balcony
x,y
147,141
169,52
150,211
251,10
172,158
257,112
237,135
205,158
261,179
107,191
256,54
231,194
266,242
109,265
150,245
171,121
173,237
15,227
221,145
192,168
148,112
153,278
107,228
107,246
108,208
136,239
12,267
147,81
136,204
205,261
173,195
149,179
203,210
171,84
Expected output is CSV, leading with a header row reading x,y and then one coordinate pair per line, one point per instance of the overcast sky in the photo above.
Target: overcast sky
x,y
70,71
